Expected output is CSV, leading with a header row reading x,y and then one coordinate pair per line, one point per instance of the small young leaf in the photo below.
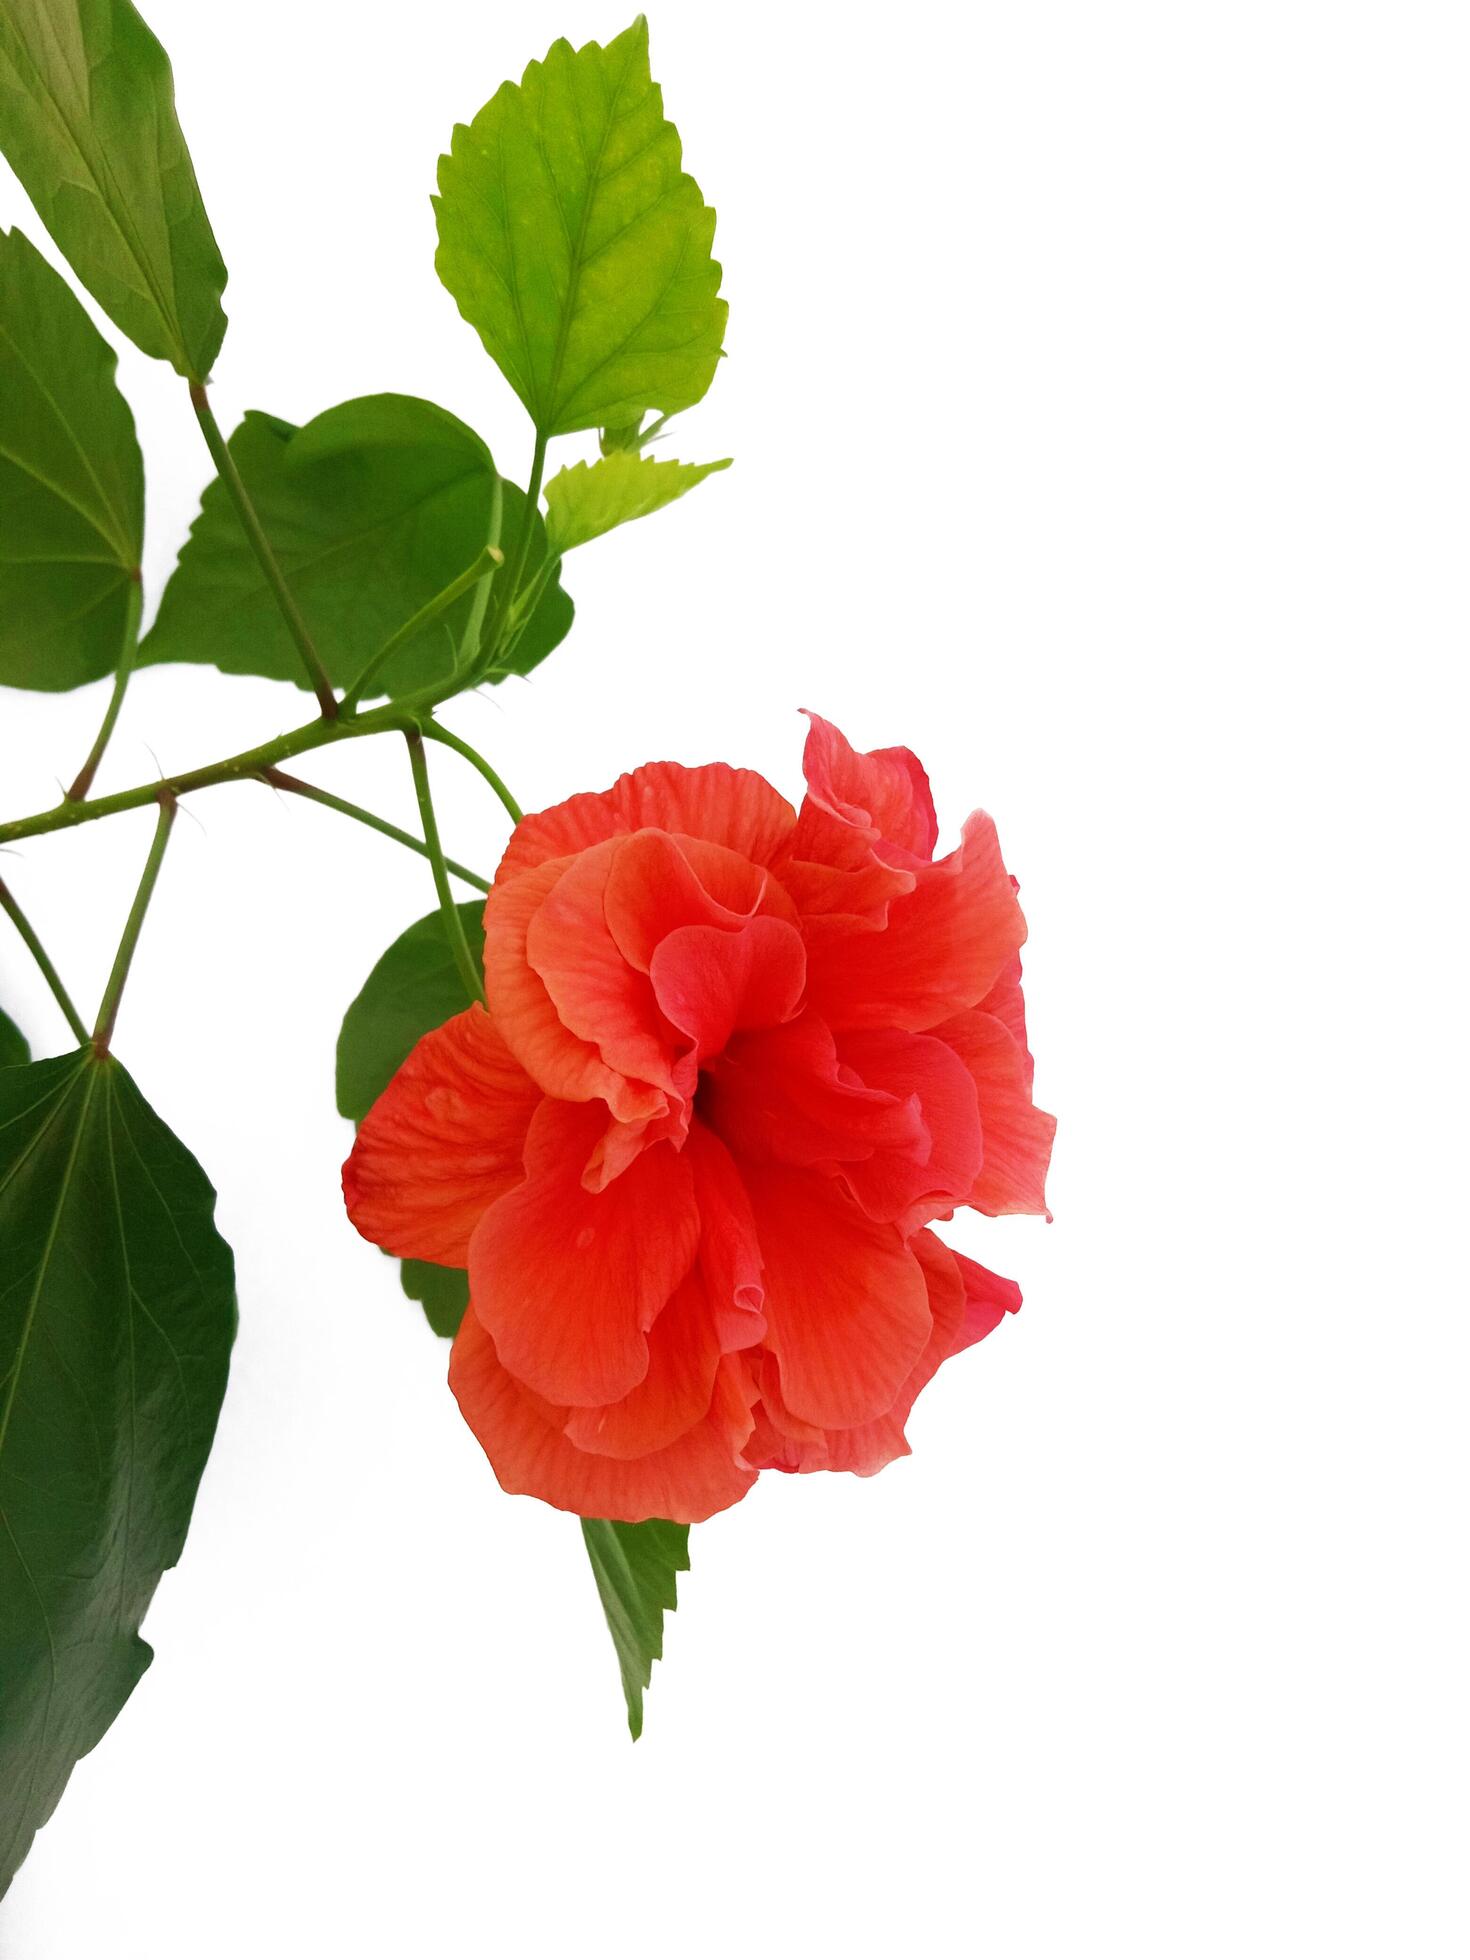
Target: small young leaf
x,y
442,1291
87,123
117,1311
414,987
634,1566
15,1050
373,508
589,498
71,483
575,244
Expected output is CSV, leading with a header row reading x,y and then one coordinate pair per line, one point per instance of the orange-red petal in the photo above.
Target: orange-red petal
x,y
565,1065
683,1355
846,1306
687,1481
442,1142
733,807
568,1281
942,949
1017,1135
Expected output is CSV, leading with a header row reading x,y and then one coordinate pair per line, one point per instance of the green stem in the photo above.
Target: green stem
x,y
528,522
127,946
393,716
483,569
436,733
10,905
278,779
125,663
453,924
260,544
469,645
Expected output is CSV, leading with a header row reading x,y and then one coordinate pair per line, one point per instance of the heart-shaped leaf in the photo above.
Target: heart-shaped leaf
x,y
71,483
574,242
87,123
373,508
117,1311
590,498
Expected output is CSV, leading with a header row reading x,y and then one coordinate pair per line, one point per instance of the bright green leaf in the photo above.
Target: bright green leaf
x,y
373,508
414,987
117,1311
575,244
442,1291
14,1048
589,498
634,1566
71,482
87,123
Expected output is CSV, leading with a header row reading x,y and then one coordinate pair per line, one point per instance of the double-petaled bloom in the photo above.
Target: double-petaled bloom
x,y
736,1060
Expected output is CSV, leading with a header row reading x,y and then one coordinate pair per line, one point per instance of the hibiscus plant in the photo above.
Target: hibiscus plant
x,y
658,1122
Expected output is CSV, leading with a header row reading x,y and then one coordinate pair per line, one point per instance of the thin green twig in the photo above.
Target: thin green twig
x,y
125,663
10,905
278,779
437,733
260,544
453,924
128,944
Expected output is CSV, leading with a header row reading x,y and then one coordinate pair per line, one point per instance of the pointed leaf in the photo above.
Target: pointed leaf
x,y
589,498
634,1566
414,987
117,1311
87,123
576,245
14,1048
373,508
71,483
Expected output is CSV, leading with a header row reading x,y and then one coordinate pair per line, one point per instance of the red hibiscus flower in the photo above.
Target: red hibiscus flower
x,y
736,1061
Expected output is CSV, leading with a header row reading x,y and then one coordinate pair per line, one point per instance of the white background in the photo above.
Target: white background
x,y
1097,381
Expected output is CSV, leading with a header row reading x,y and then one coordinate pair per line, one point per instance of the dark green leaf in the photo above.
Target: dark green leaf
x,y
590,498
87,122
373,508
117,1310
71,482
443,1292
414,987
634,1566
575,244
14,1048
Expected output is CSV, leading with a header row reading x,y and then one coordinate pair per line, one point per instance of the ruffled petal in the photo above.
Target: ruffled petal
x,y
565,1065
710,983
733,807
988,1299
884,794
597,995
943,948
782,1095
442,1142
847,1309
1017,1135
729,1250
683,1356
687,1481
568,1281
659,883
910,1186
